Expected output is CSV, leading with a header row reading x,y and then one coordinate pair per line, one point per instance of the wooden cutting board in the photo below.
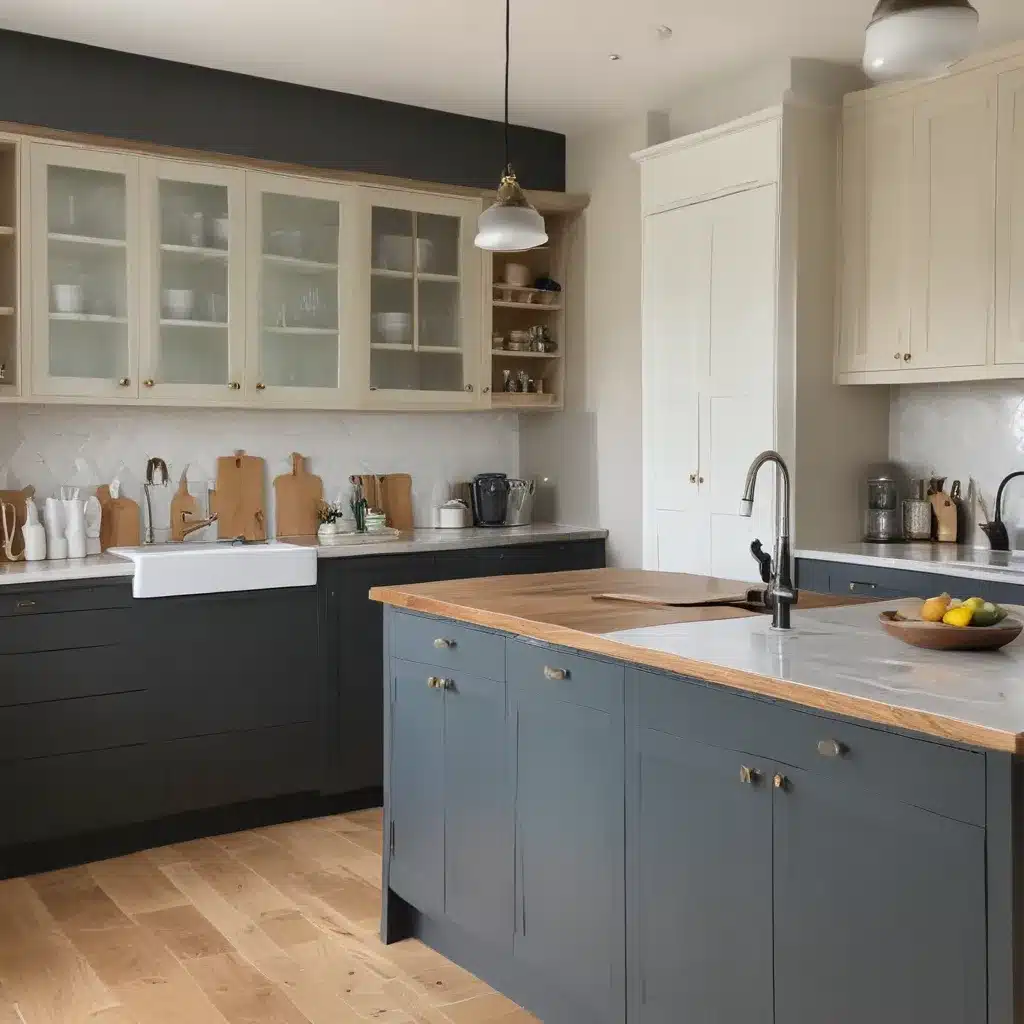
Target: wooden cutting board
x,y
739,597
297,495
120,525
239,499
396,500
183,507
17,499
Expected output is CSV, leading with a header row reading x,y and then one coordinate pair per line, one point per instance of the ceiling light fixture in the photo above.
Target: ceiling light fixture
x,y
917,38
511,224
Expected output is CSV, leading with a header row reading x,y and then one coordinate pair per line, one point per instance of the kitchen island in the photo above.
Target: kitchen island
x,y
618,812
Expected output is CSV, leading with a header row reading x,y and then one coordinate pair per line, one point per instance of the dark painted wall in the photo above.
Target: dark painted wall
x,y
56,84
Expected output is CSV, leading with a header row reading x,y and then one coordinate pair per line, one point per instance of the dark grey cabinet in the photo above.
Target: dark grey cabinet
x,y
879,908
569,831
700,869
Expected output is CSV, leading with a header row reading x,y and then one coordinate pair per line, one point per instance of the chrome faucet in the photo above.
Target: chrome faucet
x,y
776,572
191,525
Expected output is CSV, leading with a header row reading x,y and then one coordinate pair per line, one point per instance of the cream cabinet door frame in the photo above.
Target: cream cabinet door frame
x,y
470,318
1009,345
340,384
45,382
153,320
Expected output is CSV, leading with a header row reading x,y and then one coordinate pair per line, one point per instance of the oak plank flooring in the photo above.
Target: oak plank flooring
x,y
277,925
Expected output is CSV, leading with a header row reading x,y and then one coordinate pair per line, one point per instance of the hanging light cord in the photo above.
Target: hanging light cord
x,y
508,37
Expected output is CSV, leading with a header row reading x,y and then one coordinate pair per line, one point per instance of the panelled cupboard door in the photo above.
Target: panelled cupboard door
x,y
420,300
193,281
852,355
417,787
302,280
699,854
85,254
879,909
952,203
479,795
570,844
1009,346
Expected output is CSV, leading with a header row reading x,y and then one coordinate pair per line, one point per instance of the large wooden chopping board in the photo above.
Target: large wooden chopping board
x,y
18,499
737,597
239,497
396,500
119,522
297,495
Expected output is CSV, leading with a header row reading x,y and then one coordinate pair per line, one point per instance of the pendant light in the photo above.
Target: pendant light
x,y
918,38
511,224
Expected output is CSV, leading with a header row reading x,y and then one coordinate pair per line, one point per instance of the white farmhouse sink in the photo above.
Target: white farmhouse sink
x,y
175,569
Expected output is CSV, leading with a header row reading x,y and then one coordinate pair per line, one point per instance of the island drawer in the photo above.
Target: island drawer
x,y
448,645
52,598
565,677
945,779
65,631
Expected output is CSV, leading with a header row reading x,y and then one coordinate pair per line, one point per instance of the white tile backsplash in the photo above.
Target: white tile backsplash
x,y
973,429
51,445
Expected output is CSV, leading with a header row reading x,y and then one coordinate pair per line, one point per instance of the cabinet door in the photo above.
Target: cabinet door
x,y
417,787
1010,220
479,795
851,351
570,841
423,311
84,258
699,851
301,283
193,281
879,909
888,160
953,222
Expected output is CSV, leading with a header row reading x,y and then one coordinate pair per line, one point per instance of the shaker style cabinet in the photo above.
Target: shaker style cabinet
x,y
1009,347
84,245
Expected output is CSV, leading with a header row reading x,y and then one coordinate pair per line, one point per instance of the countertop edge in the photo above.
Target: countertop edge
x,y
910,564
937,726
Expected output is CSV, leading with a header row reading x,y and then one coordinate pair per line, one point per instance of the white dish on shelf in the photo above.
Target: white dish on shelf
x,y
67,298
179,303
394,252
393,328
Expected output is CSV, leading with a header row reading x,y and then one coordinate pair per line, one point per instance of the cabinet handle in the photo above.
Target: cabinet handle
x,y
26,603
468,387
234,385
261,386
750,776
831,748
148,382
700,479
868,586
123,382
487,391
556,674
780,781
693,478
906,357
442,643
433,682
896,355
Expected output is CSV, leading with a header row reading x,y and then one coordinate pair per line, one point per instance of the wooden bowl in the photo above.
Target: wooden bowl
x,y
937,636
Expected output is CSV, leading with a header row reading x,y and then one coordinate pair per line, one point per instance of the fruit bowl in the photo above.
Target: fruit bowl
x,y
937,636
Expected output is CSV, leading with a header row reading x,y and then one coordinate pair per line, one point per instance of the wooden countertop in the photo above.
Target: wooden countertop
x,y
955,698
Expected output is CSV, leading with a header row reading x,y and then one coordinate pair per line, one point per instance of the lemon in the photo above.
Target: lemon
x,y
974,603
958,616
934,608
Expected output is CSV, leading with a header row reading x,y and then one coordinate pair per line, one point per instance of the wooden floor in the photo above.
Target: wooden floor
x,y
273,926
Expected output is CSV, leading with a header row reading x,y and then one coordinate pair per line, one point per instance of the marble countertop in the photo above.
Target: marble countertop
x,y
947,559
411,542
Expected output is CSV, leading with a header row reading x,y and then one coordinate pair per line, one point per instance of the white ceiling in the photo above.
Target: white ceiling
x,y
448,53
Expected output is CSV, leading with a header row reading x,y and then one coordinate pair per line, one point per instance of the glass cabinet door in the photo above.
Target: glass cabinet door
x,y
193,224
297,307
424,304
84,249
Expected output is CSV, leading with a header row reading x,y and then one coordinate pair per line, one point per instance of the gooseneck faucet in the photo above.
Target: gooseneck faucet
x,y
996,531
776,572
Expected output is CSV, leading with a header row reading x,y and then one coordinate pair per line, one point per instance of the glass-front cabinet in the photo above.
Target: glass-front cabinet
x,y
424,299
192,342
301,341
84,228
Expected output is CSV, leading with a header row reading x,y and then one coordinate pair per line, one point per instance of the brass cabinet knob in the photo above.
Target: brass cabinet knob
x,y
780,781
693,478
443,643
469,387
751,776
447,684
438,683
148,382
123,382
700,479
433,682
556,674
895,355
261,386
234,385
831,748
487,391
906,357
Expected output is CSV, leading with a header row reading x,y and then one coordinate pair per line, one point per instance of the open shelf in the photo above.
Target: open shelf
x,y
501,353
107,243
515,399
199,252
194,323
89,318
295,263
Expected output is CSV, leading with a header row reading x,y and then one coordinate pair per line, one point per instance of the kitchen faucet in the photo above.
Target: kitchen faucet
x,y
190,525
996,530
777,572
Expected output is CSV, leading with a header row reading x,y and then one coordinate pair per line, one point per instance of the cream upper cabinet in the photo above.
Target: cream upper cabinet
x,y
952,223
421,300
302,286
192,341
1009,346
84,245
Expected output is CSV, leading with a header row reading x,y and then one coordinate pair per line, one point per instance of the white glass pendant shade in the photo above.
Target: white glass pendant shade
x,y
511,224
918,38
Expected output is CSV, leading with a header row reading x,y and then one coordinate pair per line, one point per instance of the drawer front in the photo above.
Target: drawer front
x,y
448,645
59,675
51,598
64,631
943,779
536,670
